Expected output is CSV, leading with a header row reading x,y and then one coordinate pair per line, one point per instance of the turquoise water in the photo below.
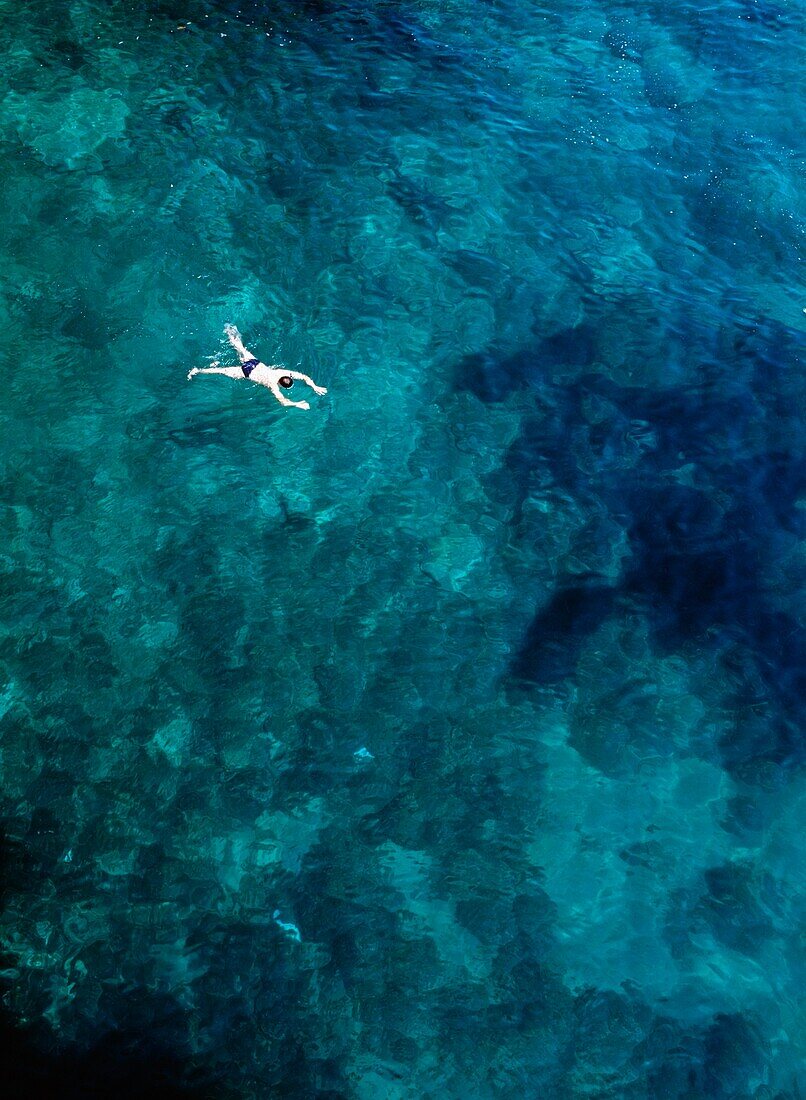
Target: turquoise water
x,y
445,740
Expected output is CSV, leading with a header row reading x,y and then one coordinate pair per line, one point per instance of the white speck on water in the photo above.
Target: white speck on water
x,y
287,926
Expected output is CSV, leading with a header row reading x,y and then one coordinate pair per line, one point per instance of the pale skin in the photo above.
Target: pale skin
x,y
268,376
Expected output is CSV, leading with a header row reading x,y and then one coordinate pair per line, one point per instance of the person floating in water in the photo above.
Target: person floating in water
x,y
275,379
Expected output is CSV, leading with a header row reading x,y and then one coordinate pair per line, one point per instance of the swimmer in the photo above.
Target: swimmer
x,y
273,378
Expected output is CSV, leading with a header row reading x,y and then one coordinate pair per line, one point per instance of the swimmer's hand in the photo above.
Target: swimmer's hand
x,y
198,370
303,405
320,390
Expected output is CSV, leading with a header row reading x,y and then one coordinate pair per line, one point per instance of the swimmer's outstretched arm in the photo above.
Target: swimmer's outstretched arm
x,y
231,372
281,397
308,381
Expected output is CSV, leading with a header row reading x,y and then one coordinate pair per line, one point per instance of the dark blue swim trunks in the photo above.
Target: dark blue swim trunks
x,y
249,366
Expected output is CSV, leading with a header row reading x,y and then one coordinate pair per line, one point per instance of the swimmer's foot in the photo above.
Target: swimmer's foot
x,y
195,370
234,338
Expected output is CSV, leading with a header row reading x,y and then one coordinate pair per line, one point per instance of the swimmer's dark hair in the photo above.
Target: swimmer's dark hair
x,y
286,381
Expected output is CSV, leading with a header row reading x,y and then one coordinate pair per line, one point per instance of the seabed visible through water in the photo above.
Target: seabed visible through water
x,y
444,741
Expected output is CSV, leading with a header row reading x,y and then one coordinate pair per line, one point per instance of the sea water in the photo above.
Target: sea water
x,y
445,740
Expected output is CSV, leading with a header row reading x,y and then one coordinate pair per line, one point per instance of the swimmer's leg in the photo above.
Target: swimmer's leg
x,y
234,338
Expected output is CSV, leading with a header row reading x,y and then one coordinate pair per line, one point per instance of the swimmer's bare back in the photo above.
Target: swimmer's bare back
x,y
273,378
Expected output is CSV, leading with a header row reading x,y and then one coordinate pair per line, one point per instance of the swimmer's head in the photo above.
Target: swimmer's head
x,y
286,381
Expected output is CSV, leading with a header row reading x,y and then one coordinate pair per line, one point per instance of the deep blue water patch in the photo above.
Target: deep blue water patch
x,y
447,739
